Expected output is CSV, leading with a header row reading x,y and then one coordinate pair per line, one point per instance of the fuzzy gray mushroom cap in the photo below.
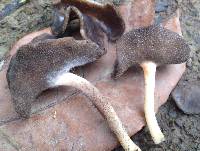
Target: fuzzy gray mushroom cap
x,y
36,65
153,43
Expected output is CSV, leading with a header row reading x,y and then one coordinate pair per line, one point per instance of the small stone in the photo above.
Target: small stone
x,y
179,122
187,97
189,63
173,114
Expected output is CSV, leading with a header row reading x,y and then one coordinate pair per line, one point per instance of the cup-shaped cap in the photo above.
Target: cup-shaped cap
x,y
93,17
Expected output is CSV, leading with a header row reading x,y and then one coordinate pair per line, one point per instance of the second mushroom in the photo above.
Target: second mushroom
x,y
150,47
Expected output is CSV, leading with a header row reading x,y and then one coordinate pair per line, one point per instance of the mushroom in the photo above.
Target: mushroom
x,y
45,63
150,47
71,22
94,18
45,59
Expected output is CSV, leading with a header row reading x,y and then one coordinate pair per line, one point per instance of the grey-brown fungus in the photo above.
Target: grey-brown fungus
x,y
94,19
36,64
150,47
45,64
71,22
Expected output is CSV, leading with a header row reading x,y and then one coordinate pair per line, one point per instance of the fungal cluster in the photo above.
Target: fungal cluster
x,y
79,30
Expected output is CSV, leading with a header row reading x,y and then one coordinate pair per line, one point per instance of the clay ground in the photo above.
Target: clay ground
x,y
182,131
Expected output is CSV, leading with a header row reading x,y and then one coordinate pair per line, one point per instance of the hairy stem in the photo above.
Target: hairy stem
x,y
102,104
149,69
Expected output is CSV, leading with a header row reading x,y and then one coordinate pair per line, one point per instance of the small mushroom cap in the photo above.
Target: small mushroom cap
x,y
153,43
73,23
106,16
35,65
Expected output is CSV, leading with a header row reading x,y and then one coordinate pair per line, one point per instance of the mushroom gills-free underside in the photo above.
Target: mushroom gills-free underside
x,y
150,47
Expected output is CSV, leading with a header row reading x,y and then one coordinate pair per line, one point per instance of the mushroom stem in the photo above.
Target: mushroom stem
x,y
102,104
149,69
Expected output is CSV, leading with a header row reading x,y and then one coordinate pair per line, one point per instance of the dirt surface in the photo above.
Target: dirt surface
x,y
181,130
33,16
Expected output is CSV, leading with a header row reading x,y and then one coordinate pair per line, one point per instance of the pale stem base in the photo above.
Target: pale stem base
x,y
149,69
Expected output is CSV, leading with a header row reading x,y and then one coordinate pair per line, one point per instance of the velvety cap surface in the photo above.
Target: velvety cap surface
x,y
153,43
